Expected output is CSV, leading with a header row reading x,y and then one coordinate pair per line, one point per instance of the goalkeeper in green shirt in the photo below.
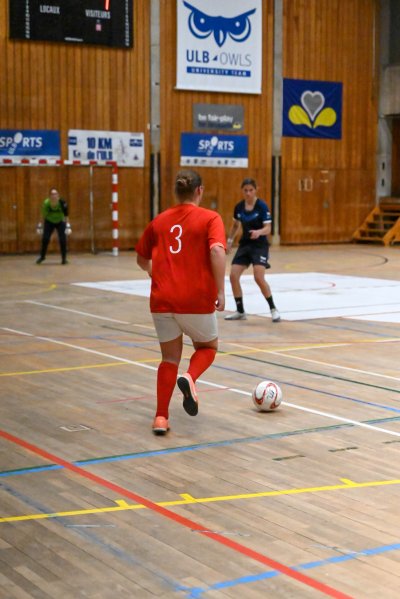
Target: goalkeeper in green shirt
x,y
55,216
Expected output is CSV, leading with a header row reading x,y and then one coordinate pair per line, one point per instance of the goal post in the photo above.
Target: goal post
x,y
42,162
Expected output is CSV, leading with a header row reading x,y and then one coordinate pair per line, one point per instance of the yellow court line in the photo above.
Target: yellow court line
x,y
121,363
248,350
50,288
69,368
310,345
281,352
107,364
65,369
187,499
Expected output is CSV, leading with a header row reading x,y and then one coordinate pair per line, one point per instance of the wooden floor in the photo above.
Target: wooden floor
x,y
300,503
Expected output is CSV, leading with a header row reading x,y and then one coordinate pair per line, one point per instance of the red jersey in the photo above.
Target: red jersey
x,y
178,241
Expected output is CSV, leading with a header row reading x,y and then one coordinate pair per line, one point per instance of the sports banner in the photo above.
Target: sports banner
x,y
24,143
219,45
126,149
224,151
312,109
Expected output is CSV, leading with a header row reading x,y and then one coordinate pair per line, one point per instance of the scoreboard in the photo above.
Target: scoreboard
x,y
101,22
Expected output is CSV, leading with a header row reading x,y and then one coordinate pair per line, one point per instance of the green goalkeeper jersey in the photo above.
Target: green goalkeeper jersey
x,y
54,214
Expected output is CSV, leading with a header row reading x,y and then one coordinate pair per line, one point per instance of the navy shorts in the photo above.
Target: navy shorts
x,y
251,254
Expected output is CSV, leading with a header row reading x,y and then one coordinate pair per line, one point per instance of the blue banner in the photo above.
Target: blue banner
x,y
312,109
27,143
198,149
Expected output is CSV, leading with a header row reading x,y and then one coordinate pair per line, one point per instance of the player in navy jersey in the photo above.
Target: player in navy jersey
x,y
254,216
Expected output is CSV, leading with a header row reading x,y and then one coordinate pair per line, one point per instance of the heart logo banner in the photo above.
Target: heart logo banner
x,y
312,109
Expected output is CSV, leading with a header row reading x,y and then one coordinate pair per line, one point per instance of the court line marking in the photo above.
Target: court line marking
x,y
187,499
186,522
196,592
88,314
278,353
359,371
223,354
204,382
30,292
65,369
186,448
305,346
316,373
75,311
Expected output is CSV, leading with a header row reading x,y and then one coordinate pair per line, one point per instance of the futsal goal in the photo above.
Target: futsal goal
x,y
87,206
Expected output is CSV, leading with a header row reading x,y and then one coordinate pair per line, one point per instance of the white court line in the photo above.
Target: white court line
x,y
282,353
384,376
239,391
75,311
143,326
312,346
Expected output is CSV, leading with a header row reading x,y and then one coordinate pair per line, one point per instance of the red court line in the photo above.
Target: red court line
x,y
211,390
121,491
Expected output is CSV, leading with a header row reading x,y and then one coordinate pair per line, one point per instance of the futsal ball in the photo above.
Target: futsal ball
x,y
267,396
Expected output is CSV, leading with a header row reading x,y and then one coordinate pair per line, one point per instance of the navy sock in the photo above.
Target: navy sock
x,y
270,302
239,304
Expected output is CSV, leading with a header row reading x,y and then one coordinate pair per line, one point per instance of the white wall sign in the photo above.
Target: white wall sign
x,y
126,149
219,45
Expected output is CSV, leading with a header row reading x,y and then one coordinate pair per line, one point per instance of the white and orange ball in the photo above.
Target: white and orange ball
x,y
267,396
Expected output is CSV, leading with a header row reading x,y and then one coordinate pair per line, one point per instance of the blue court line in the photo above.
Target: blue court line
x,y
367,324
120,343
195,592
116,551
297,386
195,447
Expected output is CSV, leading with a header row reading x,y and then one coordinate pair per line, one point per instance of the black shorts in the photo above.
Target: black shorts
x,y
251,254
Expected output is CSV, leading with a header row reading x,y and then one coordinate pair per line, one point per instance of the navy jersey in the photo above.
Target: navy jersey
x,y
252,220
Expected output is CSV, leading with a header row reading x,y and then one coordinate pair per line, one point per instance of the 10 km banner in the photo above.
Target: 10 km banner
x,y
125,148
219,45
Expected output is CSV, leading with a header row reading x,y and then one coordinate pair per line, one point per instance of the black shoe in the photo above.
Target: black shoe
x,y
64,261
186,385
40,260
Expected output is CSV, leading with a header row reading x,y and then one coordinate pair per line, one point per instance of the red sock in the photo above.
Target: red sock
x,y
200,361
166,380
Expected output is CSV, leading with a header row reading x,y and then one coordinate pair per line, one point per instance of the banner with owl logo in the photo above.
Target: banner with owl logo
x,y
312,109
219,45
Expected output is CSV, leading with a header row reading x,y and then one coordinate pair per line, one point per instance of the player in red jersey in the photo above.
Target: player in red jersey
x,y
183,251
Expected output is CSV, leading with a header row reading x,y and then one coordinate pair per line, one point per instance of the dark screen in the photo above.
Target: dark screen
x,y
101,22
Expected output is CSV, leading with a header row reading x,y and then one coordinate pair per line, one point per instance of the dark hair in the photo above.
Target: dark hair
x,y
186,183
248,181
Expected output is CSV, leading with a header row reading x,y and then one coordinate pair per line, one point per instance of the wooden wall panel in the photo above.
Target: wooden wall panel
x,y
47,85
396,157
332,40
8,212
60,86
222,186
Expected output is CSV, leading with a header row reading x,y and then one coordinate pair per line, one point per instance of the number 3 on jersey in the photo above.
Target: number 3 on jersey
x,y
178,245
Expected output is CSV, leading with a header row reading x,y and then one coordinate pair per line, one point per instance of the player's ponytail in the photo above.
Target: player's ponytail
x,y
186,183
